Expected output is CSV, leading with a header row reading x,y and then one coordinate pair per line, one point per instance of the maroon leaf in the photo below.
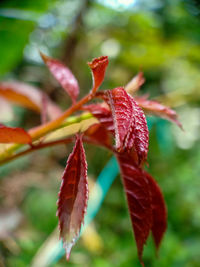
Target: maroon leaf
x,y
73,196
138,195
135,83
155,108
99,135
98,67
63,75
159,211
129,122
14,135
102,113
27,96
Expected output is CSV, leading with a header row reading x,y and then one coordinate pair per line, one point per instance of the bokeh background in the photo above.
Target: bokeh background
x,y
162,39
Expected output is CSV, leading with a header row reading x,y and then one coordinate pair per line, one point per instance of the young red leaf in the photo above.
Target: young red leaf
x,y
14,135
73,196
135,84
155,108
130,124
27,96
63,75
102,113
159,211
99,135
139,200
98,67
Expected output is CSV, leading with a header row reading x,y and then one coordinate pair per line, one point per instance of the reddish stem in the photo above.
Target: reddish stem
x,y
53,143
36,147
42,130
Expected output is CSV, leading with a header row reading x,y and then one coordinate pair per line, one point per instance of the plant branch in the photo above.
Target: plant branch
x,y
39,146
44,129
8,153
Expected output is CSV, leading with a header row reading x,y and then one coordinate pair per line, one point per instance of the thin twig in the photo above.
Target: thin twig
x,y
44,129
39,146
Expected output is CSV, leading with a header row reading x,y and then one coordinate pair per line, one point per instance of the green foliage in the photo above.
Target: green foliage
x,y
13,41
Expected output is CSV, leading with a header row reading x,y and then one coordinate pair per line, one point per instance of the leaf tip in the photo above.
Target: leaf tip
x,y
134,85
68,248
98,67
179,124
43,56
96,62
140,253
142,263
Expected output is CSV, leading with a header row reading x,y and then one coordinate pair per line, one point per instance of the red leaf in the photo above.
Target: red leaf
x,y
14,135
102,113
27,96
98,67
130,123
99,135
73,196
20,93
159,211
155,108
135,84
139,200
63,75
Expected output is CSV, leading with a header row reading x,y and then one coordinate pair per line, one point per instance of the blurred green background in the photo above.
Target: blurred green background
x,y
162,39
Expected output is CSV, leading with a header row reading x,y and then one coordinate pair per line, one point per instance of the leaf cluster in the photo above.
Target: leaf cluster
x,y
120,126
